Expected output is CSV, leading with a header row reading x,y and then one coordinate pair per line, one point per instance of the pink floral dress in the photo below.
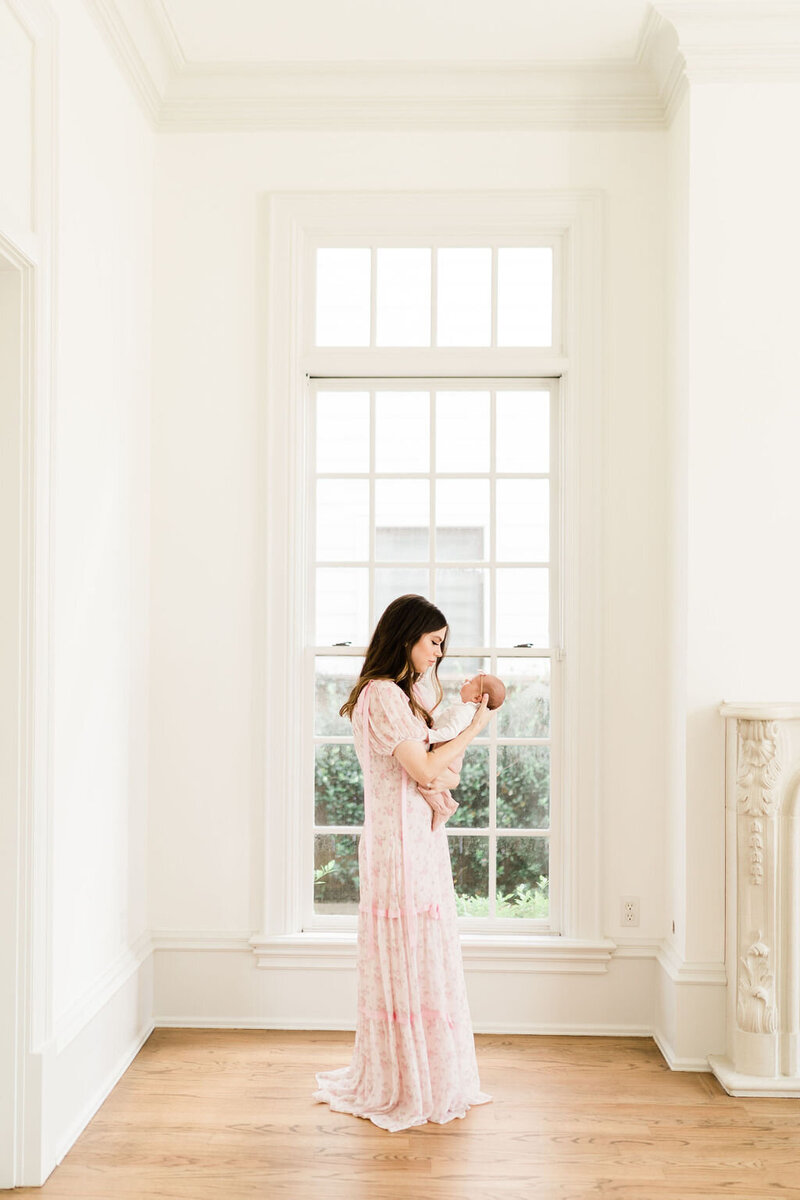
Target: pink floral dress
x,y
414,1056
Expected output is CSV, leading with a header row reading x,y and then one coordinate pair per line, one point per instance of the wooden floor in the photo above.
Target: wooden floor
x,y
224,1115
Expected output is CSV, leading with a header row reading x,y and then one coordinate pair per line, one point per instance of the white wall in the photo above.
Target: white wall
x,y
734,427
92,253
207,558
743,633
101,527
103,174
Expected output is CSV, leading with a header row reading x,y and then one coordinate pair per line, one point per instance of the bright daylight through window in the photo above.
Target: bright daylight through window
x,y
443,487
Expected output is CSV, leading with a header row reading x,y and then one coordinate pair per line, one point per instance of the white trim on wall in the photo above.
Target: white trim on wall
x,y
290,223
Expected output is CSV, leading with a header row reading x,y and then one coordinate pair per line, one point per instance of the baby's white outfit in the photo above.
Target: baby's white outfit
x,y
452,720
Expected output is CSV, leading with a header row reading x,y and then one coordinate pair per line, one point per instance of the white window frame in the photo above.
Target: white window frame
x,y
292,226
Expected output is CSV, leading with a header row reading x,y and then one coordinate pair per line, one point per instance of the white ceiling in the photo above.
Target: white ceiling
x,y
457,31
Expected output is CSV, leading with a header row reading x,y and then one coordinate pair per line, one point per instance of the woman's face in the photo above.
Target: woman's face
x,y
425,652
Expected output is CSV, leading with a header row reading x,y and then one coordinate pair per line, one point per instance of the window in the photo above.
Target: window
x,y
391,336
441,487
484,296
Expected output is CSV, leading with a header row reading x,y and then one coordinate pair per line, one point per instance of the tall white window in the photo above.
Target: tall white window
x,y
433,422
446,486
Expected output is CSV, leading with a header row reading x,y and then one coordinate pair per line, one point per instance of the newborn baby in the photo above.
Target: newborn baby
x,y
455,718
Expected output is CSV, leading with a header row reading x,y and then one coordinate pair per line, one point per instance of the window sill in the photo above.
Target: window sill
x,y
315,951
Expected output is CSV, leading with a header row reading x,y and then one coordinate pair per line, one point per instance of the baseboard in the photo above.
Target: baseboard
x,y
506,1029
70,1135
77,1068
671,1059
95,997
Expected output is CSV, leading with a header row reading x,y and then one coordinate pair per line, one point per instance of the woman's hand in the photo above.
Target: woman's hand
x,y
483,716
448,779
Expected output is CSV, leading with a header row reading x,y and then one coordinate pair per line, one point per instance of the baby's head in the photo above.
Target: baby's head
x,y
474,688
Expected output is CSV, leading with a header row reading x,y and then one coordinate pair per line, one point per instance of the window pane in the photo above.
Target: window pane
x,y
336,873
403,297
472,793
462,431
462,519
464,297
525,712
402,519
523,877
523,431
342,431
399,581
402,431
525,296
342,519
342,605
523,787
462,593
469,858
522,606
334,680
523,519
343,278
338,786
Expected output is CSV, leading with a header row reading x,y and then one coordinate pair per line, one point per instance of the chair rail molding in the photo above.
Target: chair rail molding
x,y
762,860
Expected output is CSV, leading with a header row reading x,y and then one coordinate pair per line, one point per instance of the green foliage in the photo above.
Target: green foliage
x,y
524,901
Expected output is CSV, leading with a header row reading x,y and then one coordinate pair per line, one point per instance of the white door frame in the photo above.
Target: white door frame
x,y
27,325
17,281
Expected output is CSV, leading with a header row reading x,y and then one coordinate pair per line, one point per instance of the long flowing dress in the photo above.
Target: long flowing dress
x,y
414,1055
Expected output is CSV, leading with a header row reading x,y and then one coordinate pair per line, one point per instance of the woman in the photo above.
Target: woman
x,y
414,1056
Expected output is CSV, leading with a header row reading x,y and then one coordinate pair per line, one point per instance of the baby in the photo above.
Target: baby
x,y
455,718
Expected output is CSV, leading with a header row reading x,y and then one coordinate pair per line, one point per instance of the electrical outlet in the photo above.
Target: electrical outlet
x,y
630,910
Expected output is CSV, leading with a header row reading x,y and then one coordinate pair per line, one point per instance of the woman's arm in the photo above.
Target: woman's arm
x,y
451,776
448,779
425,766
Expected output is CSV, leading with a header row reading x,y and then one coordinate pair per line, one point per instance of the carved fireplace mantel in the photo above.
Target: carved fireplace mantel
x,y
762,903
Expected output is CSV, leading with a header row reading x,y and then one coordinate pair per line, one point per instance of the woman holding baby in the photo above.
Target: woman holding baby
x,y
414,1055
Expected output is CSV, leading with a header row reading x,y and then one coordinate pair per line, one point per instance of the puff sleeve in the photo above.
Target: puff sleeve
x,y
391,720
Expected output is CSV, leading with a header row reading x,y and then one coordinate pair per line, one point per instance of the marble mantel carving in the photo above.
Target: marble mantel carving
x,y
762,904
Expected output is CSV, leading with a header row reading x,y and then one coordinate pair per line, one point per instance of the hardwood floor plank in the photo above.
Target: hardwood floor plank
x,y
228,1115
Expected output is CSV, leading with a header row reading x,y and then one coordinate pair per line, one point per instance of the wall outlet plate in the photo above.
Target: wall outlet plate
x,y
629,910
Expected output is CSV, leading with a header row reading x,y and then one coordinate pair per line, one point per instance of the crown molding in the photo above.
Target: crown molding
x,y
681,42
736,41
659,53
411,95
142,40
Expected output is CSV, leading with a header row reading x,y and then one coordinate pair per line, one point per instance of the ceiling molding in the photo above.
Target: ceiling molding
x,y
681,42
141,47
736,41
398,96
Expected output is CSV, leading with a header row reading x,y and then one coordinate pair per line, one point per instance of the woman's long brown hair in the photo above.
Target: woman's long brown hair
x,y
388,656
